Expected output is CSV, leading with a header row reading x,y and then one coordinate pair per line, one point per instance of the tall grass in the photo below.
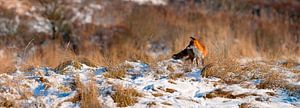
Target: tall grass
x,y
8,61
229,30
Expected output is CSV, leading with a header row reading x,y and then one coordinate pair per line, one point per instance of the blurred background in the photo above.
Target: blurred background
x,y
36,33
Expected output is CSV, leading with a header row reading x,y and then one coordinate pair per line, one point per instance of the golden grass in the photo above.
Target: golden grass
x,y
7,103
157,94
231,72
230,32
227,33
170,90
175,76
227,94
89,97
291,64
8,61
117,73
50,55
125,96
273,80
245,105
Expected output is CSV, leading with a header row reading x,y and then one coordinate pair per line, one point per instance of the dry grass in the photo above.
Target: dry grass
x,y
166,103
62,66
170,90
151,104
7,103
175,76
8,61
89,97
224,70
125,96
273,80
231,72
227,94
157,94
50,55
229,31
245,105
116,73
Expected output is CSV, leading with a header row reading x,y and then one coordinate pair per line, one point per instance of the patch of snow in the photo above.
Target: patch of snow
x,y
41,25
69,105
86,14
155,2
196,73
9,26
96,6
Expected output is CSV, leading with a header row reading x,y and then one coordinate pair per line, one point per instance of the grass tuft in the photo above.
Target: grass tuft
x,y
116,73
125,96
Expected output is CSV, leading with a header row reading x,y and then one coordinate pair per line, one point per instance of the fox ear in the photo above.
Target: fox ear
x,y
192,38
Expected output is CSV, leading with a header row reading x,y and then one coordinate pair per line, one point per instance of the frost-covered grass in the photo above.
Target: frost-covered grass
x,y
125,96
143,86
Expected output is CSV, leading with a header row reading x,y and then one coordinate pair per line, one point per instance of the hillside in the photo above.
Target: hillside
x,y
118,53
168,83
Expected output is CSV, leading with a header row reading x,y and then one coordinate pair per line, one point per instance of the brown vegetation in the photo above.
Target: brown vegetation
x,y
89,97
157,94
151,104
8,61
7,103
170,90
125,96
175,76
166,103
273,80
227,94
229,31
117,73
245,105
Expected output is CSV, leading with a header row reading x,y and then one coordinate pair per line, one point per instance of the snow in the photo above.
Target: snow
x,y
155,2
41,25
9,26
190,90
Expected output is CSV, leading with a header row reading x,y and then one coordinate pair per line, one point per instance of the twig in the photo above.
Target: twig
x,y
24,52
27,47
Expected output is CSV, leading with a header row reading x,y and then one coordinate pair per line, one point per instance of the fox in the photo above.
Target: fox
x,y
195,51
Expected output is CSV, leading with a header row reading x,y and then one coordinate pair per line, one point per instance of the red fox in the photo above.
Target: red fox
x,y
195,52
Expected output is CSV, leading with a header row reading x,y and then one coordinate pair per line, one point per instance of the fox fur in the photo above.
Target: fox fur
x,y
195,51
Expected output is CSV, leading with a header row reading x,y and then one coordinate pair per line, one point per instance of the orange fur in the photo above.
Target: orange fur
x,y
200,46
189,51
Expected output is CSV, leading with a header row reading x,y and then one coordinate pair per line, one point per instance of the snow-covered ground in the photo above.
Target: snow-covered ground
x,y
44,87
